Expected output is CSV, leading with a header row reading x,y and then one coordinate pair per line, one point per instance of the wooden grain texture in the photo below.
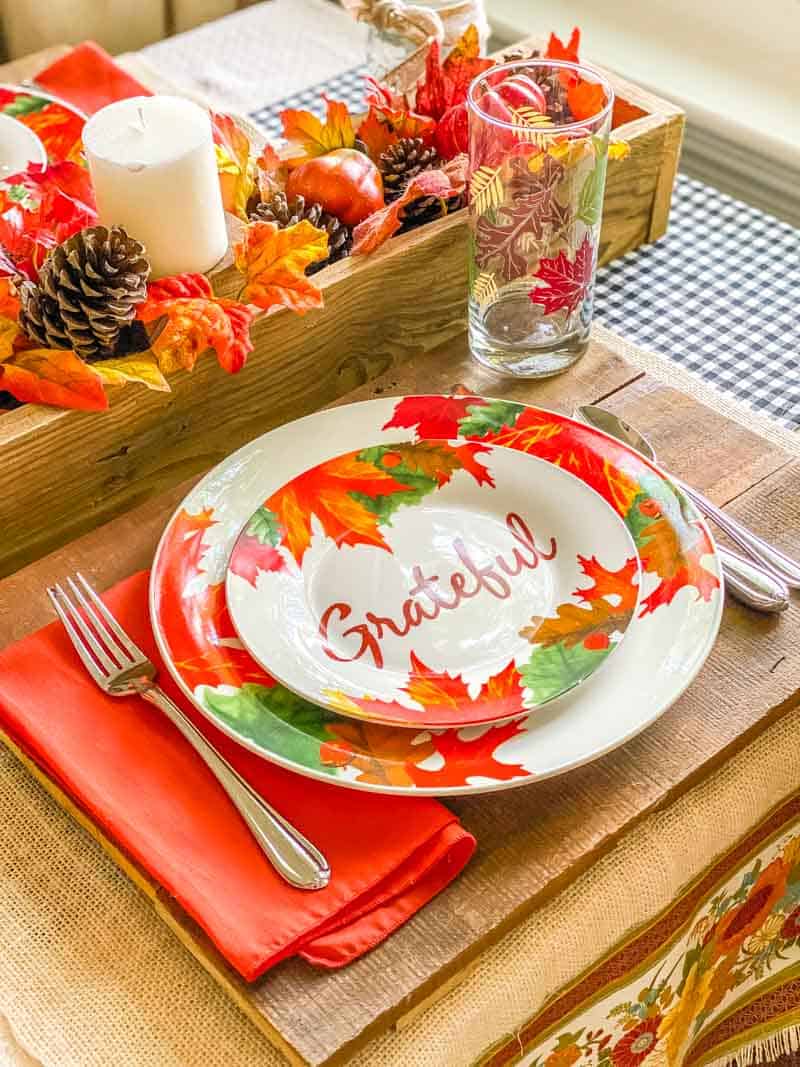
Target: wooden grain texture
x,y
380,310
532,841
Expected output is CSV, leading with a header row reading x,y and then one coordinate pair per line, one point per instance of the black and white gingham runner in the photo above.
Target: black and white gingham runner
x,y
719,294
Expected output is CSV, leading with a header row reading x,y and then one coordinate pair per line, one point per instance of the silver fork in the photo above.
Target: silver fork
x,y
121,669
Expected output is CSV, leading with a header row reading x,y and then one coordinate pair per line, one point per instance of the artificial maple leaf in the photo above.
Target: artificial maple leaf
x,y
271,172
236,177
179,285
624,112
193,325
378,94
382,224
142,368
586,99
445,84
573,624
9,317
308,136
274,261
53,376
384,127
382,755
432,416
566,281
556,49
327,492
467,758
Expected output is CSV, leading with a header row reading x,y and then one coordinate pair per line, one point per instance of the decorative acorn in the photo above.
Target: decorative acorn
x,y
403,161
88,290
286,212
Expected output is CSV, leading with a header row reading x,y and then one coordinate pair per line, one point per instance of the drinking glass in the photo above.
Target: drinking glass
x,y
537,180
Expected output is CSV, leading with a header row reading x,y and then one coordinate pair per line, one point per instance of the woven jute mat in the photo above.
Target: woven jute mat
x,y
90,977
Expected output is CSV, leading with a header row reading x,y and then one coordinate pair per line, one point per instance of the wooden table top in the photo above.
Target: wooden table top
x,y
532,841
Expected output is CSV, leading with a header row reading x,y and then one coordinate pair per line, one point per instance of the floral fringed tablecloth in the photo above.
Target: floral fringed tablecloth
x,y
713,980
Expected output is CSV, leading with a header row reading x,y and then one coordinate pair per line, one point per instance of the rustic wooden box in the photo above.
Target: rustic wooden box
x,y
64,472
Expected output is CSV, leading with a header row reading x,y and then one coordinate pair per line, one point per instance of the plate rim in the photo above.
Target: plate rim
x,y
457,790
521,457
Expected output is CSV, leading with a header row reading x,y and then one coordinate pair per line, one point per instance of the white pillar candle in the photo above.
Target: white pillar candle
x,y
154,172
19,146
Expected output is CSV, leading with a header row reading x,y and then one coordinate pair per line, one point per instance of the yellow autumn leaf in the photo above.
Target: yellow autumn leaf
x,y
619,150
140,368
274,261
486,188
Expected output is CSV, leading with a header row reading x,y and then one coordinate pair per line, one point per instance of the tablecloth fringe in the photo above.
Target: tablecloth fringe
x,y
762,1050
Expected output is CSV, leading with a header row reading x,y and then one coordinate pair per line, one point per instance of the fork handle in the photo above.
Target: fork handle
x,y
299,862
770,557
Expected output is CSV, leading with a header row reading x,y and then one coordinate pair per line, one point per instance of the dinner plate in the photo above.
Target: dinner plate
x,y
680,606
433,583
58,125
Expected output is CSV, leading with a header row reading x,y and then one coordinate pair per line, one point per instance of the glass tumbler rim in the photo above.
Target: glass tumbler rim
x,y
541,61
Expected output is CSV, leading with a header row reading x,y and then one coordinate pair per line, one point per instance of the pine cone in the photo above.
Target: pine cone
x,y
88,290
403,161
426,209
288,212
340,241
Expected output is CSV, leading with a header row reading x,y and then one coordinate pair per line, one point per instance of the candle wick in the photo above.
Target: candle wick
x,y
141,117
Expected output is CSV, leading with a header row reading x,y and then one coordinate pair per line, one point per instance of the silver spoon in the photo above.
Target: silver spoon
x,y
757,586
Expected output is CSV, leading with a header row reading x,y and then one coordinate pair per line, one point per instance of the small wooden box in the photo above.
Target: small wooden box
x,y
64,472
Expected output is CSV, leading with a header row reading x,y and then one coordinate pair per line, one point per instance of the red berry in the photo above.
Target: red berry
x,y
651,508
596,642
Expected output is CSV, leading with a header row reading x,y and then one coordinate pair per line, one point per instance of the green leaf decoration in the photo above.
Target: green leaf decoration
x,y
556,668
484,288
486,188
590,201
489,418
419,485
25,105
276,719
264,526
17,193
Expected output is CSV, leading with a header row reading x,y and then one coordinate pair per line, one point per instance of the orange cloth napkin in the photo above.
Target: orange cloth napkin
x,y
126,765
88,78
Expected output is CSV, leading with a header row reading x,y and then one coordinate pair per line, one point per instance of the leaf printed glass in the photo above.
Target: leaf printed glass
x,y
539,134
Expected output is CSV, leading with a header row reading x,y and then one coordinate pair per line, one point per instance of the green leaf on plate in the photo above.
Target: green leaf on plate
x,y
556,668
25,104
264,526
275,719
489,418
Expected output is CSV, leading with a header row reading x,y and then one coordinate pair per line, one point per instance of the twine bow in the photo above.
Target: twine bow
x,y
417,24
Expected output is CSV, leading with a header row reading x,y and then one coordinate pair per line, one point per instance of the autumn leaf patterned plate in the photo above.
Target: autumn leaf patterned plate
x,y
433,583
677,618
58,125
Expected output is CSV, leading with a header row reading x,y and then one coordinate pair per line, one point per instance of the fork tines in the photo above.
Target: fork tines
x,y
99,640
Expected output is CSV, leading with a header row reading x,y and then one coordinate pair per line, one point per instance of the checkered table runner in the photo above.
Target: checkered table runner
x,y
718,294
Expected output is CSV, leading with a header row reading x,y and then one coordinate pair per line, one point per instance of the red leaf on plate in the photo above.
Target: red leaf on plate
x,y
449,695
251,556
609,583
566,280
470,758
432,416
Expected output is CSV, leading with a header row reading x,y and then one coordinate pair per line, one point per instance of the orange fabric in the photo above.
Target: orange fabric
x,y
124,764
88,78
